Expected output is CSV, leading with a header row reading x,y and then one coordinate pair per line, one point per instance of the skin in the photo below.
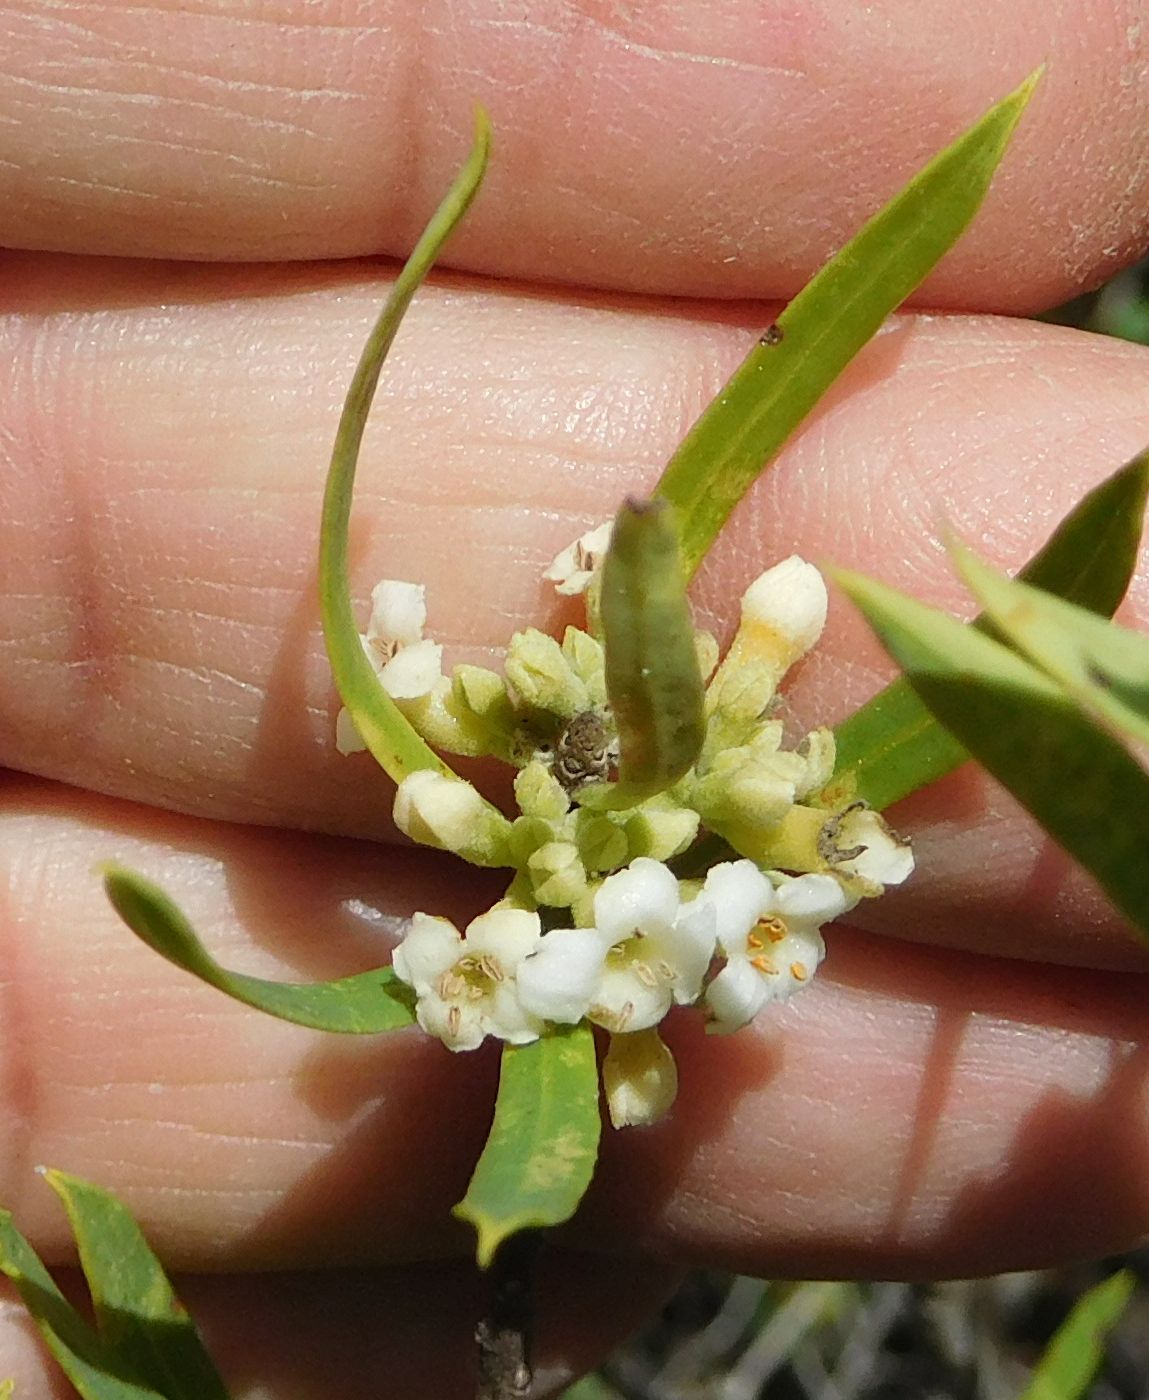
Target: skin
x,y
961,1090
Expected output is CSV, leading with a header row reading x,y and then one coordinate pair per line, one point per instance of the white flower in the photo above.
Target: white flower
x,y
658,949
572,569
885,859
770,937
465,985
646,951
408,666
640,1079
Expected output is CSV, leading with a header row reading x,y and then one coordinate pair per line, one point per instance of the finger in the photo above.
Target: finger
x,y
164,645
404,1332
899,1118
678,148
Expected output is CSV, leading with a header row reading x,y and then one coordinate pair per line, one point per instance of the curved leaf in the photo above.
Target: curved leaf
x,y
652,676
541,1152
1080,784
892,745
385,730
1072,1358
140,1319
361,1005
825,326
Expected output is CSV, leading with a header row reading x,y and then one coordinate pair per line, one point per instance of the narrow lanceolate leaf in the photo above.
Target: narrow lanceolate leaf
x,y
1103,666
825,326
81,1354
386,732
540,1156
652,676
140,1320
1072,1358
893,745
1079,782
364,1004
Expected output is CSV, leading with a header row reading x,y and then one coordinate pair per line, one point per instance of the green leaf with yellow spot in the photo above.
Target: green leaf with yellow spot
x,y
541,1152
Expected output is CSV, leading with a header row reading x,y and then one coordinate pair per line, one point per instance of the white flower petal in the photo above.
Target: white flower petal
x,y
811,899
557,982
791,599
507,1019
685,950
573,568
506,935
347,737
629,1001
398,613
413,671
640,1079
741,895
735,996
430,946
886,859
457,1024
643,897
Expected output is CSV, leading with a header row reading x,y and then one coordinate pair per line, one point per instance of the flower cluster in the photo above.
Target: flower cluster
x,y
640,934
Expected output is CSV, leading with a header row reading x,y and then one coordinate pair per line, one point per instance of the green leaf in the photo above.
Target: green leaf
x,y
540,1155
825,326
1072,1358
893,745
1080,784
385,730
1103,666
138,1315
83,1357
361,1005
652,676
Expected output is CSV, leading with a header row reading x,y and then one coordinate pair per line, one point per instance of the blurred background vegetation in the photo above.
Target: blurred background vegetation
x,y
726,1338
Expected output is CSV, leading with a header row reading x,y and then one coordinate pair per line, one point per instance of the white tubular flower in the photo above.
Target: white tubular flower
x,y
770,937
791,601
449,814
885,859
465,985
572,569
408,666
657,949
640,1079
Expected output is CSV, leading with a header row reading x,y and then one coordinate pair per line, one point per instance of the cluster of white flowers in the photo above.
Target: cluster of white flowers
x,y
640,940
740,942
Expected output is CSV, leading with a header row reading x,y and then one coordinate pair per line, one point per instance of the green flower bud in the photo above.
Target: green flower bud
x,y
557,874
585,657
660,832
540,794
527,835
540,677
602,843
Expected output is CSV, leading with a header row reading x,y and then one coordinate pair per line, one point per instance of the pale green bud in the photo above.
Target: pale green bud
x,y
540,677
540,794
557,874
660,833
437,810
746,789
819,751
527,835
586,660
602,843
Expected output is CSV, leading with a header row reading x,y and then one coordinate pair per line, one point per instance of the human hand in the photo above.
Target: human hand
x,y
165,432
